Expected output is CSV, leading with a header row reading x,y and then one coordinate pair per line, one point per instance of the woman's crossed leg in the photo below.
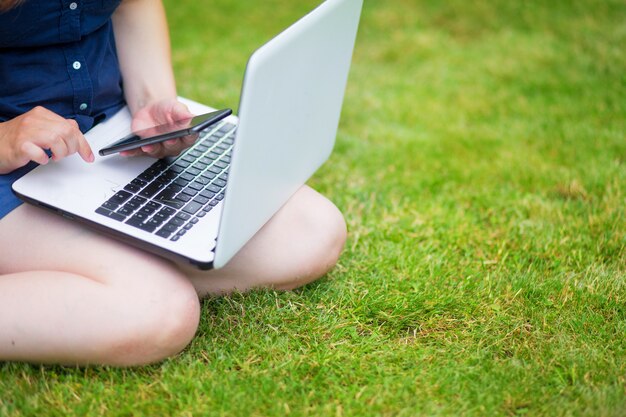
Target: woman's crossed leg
x,y
70,295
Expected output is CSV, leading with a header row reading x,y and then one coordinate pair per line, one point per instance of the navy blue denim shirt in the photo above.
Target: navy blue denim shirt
x,y
59,54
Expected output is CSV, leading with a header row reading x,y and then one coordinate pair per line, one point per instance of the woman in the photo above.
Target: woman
x,y
65,66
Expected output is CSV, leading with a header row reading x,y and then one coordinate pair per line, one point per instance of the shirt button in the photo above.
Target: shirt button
x,y
73,6
83,106
76,65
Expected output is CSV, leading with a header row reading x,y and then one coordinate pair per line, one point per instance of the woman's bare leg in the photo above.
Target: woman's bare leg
x,y
299,244
69,295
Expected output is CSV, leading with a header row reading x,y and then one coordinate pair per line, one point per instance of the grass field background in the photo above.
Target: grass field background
x,y
480,165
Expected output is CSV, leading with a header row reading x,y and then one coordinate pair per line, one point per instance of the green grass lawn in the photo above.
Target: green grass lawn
x,y
481,167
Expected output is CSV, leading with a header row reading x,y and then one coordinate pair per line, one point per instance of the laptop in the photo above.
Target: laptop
x,y
202,206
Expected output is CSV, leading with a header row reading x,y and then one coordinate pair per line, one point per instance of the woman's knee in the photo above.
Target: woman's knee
x,y
301,243
332,237
158,322
323,229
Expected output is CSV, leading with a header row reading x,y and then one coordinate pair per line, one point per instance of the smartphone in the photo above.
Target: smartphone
x,y
161,133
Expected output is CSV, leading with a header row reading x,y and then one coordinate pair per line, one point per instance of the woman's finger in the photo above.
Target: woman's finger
x,y
84,149
190,139
180,111
154,150
32,152
76,141
57,146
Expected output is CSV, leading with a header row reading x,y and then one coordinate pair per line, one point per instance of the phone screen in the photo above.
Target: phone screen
x,y
160,133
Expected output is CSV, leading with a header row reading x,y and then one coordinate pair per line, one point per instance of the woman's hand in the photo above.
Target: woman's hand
x,y
26,137
166,111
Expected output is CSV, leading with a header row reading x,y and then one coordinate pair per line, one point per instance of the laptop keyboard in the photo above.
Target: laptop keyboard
x,y
170,197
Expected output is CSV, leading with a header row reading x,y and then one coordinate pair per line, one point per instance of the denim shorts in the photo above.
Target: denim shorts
x,y
8,200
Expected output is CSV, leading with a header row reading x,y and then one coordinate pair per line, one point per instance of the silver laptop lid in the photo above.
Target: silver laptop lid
x,y
289,113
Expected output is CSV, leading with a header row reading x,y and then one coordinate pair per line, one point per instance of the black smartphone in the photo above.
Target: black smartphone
x,y
161,133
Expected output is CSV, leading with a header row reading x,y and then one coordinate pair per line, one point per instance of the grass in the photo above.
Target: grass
x,y
480,165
